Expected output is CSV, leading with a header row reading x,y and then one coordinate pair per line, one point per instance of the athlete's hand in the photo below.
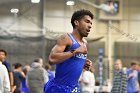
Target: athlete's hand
x,y
88,64
81,49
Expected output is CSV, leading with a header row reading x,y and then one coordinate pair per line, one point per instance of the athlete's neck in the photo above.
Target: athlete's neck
x,y
77,36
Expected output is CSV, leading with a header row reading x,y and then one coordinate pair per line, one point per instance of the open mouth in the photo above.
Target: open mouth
x,y
88,31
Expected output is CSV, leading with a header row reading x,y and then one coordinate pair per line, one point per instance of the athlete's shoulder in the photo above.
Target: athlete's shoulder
x,y
64,36
65,39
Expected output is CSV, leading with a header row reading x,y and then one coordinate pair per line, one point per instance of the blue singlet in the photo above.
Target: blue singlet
x,y
67,73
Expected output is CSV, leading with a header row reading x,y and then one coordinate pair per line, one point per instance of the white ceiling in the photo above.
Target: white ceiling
x,y
11,1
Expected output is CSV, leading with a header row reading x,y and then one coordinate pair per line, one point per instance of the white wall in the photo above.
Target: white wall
x,y
57,18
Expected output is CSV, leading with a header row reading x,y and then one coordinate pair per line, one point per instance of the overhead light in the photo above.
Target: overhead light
x,y
35,1
14,10
70,2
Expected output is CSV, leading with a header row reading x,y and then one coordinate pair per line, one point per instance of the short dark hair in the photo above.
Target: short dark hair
x,y
17,65
47,67
77,15
134,63
37,60
2,50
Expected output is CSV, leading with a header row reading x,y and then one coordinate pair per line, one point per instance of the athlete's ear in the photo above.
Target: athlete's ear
x,y
76,22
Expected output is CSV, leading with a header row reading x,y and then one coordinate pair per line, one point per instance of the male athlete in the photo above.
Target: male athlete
x,y
70,55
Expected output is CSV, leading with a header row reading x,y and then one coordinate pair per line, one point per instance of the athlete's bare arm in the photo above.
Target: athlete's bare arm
x,y
58,55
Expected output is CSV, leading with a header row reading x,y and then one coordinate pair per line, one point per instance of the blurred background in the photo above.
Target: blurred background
x,y
29,29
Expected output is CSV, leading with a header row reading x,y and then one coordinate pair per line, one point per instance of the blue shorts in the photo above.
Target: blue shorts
x,y
52,86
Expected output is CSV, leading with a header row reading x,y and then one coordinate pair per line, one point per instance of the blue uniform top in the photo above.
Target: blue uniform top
x,y
132,82
69,71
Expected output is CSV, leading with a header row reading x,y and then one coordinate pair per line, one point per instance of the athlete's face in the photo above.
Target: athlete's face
x,y
84,25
